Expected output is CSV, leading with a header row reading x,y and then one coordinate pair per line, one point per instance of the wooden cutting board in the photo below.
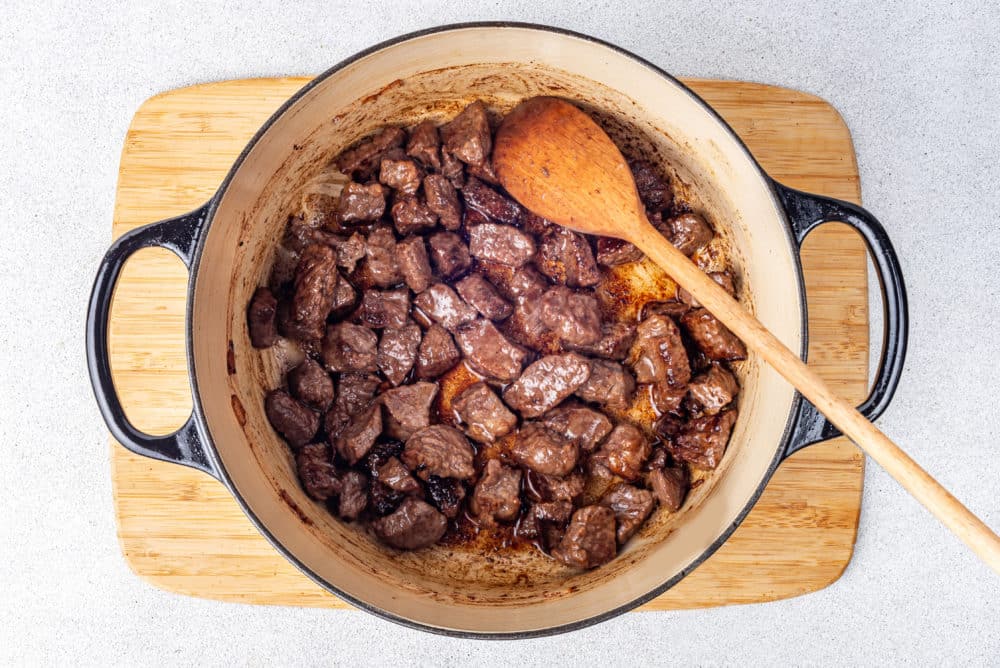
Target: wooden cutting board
x,y
182,531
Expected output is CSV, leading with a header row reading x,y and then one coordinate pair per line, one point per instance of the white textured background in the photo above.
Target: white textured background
x,y
918,85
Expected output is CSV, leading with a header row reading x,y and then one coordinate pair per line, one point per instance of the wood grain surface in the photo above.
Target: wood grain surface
x,y
182,531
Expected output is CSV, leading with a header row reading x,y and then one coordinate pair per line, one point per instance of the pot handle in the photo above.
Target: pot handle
x,y
185,445
805,213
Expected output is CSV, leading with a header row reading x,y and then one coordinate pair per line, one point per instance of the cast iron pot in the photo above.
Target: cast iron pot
x,y
228,246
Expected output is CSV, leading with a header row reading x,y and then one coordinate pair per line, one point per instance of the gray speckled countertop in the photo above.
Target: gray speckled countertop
x,y
919,86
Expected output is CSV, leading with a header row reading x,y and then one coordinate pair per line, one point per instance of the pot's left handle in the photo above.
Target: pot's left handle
x,y
184,446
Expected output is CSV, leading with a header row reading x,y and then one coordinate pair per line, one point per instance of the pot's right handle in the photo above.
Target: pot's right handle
x,y
806,212
184,446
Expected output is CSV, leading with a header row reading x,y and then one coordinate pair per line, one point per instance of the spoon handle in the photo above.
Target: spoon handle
x,y
949,510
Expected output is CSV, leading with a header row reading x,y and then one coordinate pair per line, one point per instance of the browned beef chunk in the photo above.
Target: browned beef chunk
x,y
566,257
396,476
689,232
316,471
702,441
384,308
354,392
311,384
383,499
631,507
408,409
667,399
541,516
498,492
446,495
532,223
610,384
449,254
444,306
723,278
397,352
672,308
612,252
615,342
380,254
658,353
315,290
353,495
670,485
350,251
624,451
261,319
550,488
362,160
415,524
525,326
437,353
414,264
358,437
713,390
452,169
485,417
442,200
584,426
590,539
501,243
410,215
402,175
345,298
439,450
544,451
468,136
425,145
489,352
485,172
360,203
481,295
574,317
290,418
489,202
546,382
654,189
349,347
712,337
518,285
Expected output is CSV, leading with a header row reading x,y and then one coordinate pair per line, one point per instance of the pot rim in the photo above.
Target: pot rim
x,y
219,469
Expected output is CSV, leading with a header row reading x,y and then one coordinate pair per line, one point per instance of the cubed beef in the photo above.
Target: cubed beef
x,y
654,189
566,257
489,202
713,390
380,255
541,487
311,384
574,317
589,540
396,476
712,337
670,485
410,215
425,144
612,252
353,495
414,264
689,232
354,392
468,136
443,305
437,353
439,450
481,295
315,290
498,492
415,524
449,254
290,418
397,352
532,223
316,471
558,512
446,495
261,319
584,426
505,244
489,352
351,348
382,499
363,159
631,507
402,175
624,451
345,298
658,353
452,169
442,200
672,308
702,441
384,308
408,409
358,437
525,326
546,382
544,451
610,384
518,285
615,342
483,414
361,203
350,251
723,278
667,399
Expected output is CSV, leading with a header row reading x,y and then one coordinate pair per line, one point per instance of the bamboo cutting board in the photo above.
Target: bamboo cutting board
x,y
182,531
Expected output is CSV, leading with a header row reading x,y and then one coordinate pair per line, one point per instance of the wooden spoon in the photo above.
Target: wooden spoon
x,y
556,161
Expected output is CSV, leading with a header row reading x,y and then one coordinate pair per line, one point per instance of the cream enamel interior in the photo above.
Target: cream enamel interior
x,y
435,75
